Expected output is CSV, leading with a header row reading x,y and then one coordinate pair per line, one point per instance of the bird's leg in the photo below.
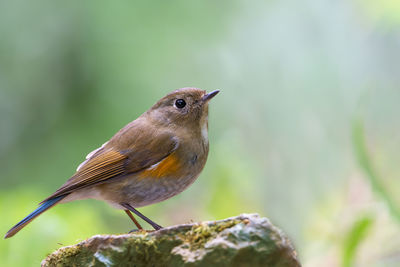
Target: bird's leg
x,y
129,207
134,220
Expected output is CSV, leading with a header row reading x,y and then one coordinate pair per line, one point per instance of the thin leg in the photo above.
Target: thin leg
x,y
129,207
134,220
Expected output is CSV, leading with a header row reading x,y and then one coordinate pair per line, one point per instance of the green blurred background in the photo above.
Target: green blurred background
x,y
305,130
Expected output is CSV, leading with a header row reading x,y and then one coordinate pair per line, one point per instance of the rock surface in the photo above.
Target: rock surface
x,y
245,240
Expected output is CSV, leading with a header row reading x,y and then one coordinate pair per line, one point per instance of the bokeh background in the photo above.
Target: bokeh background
x,y
305,130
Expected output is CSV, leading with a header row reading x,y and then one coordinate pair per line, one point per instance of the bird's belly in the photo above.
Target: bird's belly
x,y
159,182
141,191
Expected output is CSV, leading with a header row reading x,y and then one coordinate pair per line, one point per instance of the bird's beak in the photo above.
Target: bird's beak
x,y
207,97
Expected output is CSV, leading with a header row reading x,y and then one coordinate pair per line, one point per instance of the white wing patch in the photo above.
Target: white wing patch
x,y
89,156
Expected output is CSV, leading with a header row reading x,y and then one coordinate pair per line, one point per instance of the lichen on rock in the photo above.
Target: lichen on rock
x,y
245,240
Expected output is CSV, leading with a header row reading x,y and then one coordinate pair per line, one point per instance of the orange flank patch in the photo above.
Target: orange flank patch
x,y
167,167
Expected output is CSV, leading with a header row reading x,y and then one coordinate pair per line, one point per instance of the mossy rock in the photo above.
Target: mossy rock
x,y
245,240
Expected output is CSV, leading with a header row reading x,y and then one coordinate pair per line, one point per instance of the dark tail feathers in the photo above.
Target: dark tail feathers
x,y
42,208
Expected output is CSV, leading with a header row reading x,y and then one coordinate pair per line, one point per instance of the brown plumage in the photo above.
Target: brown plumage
x,y
149,160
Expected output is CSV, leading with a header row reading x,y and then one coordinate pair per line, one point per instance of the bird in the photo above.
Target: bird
x,y
151,159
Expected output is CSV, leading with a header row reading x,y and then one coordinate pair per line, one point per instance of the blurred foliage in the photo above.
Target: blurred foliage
x,y
365,162
282,133
75,222
354,238
384,11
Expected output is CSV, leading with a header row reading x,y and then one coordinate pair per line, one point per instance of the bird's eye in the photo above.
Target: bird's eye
x,y
180,103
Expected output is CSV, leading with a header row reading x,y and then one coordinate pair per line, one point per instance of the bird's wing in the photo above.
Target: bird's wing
x,y
111,161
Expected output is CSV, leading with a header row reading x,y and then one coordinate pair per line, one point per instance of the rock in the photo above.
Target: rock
x,y
245,240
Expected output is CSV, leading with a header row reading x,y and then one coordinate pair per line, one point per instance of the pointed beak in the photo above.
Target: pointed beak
x,y
207,97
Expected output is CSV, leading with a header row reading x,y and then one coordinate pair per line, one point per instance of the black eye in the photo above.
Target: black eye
x,y
180,103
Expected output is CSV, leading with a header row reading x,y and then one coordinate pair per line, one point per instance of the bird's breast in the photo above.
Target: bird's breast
x,y
160,181
179,164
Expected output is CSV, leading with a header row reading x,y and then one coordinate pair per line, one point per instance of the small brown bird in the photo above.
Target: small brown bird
x,y
151,159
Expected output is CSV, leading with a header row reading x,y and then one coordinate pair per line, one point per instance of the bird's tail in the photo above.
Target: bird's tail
x,y
42,208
